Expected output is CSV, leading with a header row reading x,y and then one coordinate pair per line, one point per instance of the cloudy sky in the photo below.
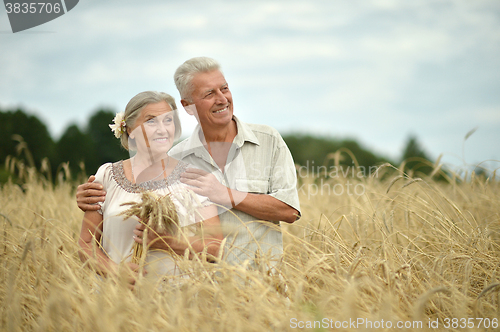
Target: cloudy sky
x,y
374,70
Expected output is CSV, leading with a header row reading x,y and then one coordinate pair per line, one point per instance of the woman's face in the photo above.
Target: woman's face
x,y
154,129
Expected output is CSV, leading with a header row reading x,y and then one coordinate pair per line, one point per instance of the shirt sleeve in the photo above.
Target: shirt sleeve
x,y
103,176
283,181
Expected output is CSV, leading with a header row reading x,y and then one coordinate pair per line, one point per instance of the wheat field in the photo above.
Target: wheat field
x,y
397,252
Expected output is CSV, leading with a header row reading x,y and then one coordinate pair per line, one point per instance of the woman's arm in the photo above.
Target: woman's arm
x,y
90,236
209,236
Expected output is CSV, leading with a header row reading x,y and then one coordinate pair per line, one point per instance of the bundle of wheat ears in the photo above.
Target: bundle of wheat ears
x,y
158,213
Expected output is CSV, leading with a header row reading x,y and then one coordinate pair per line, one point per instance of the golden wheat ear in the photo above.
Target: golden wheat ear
x,y
158,213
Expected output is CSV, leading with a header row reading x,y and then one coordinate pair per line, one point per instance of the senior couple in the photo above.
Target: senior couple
x,y
237,179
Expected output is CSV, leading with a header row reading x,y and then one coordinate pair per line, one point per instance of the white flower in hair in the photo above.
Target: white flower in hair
x,y
118,125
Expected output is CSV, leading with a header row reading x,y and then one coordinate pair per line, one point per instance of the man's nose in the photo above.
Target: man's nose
x,y
220,98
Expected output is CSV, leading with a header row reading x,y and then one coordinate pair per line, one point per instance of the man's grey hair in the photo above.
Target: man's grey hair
x,y
136,105
184,74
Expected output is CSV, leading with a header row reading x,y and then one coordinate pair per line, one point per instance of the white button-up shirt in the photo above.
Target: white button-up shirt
x,y
258,162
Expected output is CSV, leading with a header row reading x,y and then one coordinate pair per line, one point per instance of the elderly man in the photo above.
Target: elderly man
x,y
245,167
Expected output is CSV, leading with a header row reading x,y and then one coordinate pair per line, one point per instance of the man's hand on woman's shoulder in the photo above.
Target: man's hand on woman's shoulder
x,y
88,194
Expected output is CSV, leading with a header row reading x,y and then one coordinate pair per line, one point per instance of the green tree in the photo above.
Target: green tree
x,y
39,143
107,147
415,158
309,150
75,147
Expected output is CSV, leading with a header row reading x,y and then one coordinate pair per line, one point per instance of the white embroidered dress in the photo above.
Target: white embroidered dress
x,y
117,235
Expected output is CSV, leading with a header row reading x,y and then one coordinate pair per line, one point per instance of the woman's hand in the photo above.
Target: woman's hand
x,y
158,241
132,271
208,239
129,271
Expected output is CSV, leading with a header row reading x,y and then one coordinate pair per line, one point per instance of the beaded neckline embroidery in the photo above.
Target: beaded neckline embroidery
x,y
128,186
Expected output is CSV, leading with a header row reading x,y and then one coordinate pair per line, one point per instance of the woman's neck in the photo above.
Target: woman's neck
x,y
142,161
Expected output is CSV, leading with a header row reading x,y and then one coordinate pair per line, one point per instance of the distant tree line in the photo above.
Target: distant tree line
x,y
87,146
84,148
313,151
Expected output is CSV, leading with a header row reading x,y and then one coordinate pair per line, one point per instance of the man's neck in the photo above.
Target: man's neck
x,y
218,142
224,134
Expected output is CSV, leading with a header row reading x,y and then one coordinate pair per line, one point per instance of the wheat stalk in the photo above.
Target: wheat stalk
x,y
158,213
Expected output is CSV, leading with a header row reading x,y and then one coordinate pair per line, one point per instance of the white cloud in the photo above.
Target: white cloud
x,y
375,69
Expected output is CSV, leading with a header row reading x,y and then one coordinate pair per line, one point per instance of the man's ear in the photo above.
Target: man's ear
x,y
189,107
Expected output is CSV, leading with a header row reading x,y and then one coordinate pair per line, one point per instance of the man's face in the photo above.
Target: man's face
x,y
212,99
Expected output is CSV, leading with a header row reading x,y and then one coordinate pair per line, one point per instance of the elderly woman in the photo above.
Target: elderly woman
x,y
147,128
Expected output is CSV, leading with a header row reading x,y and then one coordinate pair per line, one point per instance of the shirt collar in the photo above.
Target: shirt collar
x,y
245,134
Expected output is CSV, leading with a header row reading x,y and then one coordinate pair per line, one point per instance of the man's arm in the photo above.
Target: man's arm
x,y
88,194
264,207
261,206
